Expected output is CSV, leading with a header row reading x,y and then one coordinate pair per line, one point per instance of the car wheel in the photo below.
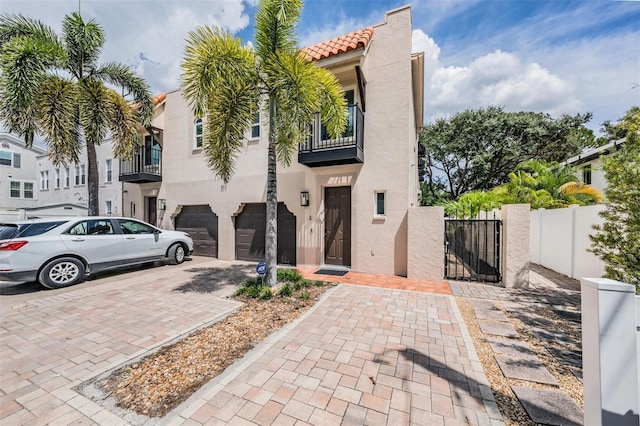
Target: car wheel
x,y
176,254
61,272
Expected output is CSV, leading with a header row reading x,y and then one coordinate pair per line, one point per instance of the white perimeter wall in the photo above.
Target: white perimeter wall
x,y
560,238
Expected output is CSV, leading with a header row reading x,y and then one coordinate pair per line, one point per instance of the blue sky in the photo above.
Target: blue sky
x,y
550,56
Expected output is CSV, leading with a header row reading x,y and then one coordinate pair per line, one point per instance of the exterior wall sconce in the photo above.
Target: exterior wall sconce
x,y
304,198
162,204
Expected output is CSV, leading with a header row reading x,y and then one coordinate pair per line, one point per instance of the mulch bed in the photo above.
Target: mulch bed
x,y
159,382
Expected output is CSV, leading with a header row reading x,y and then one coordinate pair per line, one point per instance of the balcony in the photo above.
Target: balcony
x,y
144,167
320,150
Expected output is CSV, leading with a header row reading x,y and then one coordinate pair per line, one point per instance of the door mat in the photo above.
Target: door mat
x,y
331,272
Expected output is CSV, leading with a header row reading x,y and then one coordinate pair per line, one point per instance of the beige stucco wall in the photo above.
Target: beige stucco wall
x,y
378,245
515,245
426,243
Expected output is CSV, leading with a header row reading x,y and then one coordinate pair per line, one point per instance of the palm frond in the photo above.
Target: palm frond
x,y
12,26
123,76
95,110
214,58
275,26
57,116
83,42
582,189
230,112
123,125
24,64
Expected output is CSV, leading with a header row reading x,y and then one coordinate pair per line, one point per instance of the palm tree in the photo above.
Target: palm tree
x,y
53,85
227,83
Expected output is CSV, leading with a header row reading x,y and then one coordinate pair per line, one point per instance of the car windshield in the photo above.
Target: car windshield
x,y
8,231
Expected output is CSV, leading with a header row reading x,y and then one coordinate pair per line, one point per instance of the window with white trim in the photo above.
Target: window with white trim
x,y
21,189
28,190
57,183
108,170
255,127
107,207
66,177
44,180
17,160
5,158
198,131
15,189
380,207
80,176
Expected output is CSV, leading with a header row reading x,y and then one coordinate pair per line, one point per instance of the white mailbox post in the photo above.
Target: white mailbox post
x,y
609,352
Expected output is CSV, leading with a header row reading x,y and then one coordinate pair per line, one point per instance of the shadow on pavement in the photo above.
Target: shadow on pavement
x,y
13,289
208,280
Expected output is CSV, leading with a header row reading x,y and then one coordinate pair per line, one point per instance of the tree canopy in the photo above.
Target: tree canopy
x,y
53,85
477,149
617,240
225,82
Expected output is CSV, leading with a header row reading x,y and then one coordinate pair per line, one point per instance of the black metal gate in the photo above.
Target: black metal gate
x,y
472,250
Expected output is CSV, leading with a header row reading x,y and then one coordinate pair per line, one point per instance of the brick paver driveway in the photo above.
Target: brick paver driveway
x,y
51,341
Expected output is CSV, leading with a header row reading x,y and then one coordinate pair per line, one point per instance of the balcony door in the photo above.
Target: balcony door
x,y
337,226
349,96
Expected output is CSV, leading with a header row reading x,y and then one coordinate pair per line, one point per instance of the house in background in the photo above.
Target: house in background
x,y
588,165
344,202
18,174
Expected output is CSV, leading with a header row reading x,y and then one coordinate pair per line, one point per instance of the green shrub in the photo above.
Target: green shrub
x,y
318,283
297,286
288,275
304,295
285,290
265,292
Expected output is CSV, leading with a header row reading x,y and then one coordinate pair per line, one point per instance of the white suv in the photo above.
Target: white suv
x,y
59,252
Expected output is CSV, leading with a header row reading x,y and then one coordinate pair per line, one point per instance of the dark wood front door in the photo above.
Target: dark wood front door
x,y
337,226
152,210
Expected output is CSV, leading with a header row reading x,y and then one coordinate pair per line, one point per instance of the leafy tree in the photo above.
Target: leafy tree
x,y
53,85
477,149
617,241
225,81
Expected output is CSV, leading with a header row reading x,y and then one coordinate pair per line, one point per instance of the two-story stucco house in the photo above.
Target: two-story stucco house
x,y
18,175
344,202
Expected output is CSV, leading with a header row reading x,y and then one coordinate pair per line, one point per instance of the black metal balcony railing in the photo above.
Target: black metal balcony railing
x,y
319,149
145,166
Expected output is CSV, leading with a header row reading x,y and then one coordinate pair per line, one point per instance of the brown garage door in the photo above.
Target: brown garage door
x,y
251,229
202,224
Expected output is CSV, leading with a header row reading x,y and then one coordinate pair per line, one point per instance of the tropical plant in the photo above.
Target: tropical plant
x,y
547,185
227,82
477,149
617,240
53,86
537,183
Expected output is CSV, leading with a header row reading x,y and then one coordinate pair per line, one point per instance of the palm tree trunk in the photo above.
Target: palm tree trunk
x,y
92,180
271,237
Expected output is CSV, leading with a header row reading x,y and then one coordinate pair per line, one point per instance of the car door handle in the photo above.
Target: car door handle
x,y
130,238
78,239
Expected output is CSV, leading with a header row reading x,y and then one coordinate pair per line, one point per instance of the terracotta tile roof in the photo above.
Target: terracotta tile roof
x,y
159,99
339,45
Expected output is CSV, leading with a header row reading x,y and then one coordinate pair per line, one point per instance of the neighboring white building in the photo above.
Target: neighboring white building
x,y
68,183
588,165
18,173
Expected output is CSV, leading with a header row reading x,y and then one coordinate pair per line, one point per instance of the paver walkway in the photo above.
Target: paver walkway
x,y
54,343
365,354
496,308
